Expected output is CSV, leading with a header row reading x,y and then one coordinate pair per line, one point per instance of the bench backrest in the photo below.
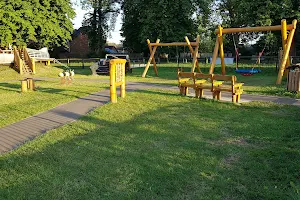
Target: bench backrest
x,y
232,79
203,76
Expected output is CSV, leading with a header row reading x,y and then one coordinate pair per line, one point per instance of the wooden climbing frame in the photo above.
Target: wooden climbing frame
x,y
193,47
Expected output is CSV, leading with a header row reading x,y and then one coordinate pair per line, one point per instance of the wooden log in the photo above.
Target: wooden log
x,y
286,54
221,50
214,58
152,52
255,29
23,85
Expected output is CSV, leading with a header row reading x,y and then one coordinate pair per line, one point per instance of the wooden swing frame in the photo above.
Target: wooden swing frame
x,y
286,44
193,47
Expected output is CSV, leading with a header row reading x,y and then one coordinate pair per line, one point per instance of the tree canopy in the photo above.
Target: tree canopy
x,y
96,23
164,19
39,23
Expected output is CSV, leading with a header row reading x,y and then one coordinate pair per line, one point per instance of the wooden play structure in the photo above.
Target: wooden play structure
x,y
23,63
117,78
214,83
193,47
287,31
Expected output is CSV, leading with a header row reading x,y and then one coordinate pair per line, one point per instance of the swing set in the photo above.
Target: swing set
x,y
246,72
287,31
193,47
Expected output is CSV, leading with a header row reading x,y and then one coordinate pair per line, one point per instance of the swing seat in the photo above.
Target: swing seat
x,y
247,72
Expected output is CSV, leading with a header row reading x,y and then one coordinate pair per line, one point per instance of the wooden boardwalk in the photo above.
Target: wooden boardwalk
x,y
16,134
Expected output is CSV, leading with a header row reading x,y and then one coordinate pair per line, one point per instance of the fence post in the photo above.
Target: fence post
x,y
82,63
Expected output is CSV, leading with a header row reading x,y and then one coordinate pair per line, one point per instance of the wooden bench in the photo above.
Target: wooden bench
x,y
213,82
229,84
202,82
185,81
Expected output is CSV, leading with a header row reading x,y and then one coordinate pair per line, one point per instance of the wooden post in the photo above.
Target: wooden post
x,y
284,38
214,58
286,54
113,87
193,52
117,78
33,65
30,84
195,56
221,49
151,59
123,86
68,62
24,85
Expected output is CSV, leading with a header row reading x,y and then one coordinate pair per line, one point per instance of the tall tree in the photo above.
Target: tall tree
x,y
39,23
164,19
96,24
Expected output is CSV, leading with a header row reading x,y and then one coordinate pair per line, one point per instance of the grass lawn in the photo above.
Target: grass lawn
x,y
158,145
15,105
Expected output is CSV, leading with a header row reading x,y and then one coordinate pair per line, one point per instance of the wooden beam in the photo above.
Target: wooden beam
x,y
214,58
152,53
255,29
192,51
195,56
286,53
173,44
284,37
220,37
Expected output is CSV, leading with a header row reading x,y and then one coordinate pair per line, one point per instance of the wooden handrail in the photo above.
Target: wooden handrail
x,y
18,62
30,61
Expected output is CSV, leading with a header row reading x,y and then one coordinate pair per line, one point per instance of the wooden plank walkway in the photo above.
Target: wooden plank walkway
x,y
18,133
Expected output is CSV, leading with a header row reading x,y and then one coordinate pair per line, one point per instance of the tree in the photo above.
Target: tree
x,y
43,23
96,24
164,19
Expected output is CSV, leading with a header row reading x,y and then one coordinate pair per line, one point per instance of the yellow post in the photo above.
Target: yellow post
x,y
286,53
117,78
152,53
48,62
214,58
284,37
123,86
113,87
24,85
33,65
220,37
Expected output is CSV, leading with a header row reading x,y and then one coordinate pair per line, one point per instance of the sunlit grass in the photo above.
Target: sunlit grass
x,y
158,145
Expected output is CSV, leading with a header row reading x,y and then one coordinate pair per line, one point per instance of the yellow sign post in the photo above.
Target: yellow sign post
x,y
117,78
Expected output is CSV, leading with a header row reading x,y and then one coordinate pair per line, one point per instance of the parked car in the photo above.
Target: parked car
x,y
103,64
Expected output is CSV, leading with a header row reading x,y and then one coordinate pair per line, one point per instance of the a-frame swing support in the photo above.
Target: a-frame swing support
x,y
286,44
193,47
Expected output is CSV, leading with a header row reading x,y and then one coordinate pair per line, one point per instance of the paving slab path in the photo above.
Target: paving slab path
x,y
18,133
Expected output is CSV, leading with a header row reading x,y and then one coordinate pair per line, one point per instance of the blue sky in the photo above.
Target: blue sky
x,y
114,35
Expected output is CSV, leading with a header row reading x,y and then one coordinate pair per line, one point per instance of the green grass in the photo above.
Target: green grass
x,y
158,145
15,105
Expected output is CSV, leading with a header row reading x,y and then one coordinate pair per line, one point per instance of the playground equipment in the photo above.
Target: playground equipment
x,y
246,72
117,78
67,76
286,43
23,59
193,47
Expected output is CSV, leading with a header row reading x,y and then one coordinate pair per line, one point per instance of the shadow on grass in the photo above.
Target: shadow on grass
x,y
178,149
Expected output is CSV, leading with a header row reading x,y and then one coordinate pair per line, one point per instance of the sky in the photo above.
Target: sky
x,y
114,37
